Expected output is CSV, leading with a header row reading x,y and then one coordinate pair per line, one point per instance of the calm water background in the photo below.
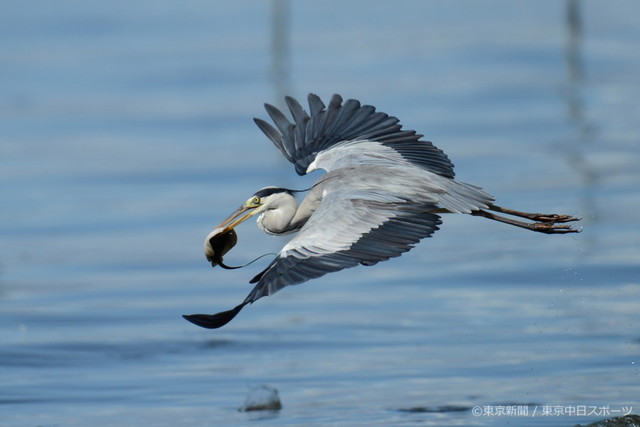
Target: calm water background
x,y
126,135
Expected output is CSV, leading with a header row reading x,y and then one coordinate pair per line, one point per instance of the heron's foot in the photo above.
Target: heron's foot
x,y
553,228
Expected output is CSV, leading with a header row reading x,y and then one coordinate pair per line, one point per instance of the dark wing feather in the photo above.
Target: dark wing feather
x,y
273,134
338,122
300,118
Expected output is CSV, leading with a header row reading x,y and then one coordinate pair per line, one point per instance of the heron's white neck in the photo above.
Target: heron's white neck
x,y
282,216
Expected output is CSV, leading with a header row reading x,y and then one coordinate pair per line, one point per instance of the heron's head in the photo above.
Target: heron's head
x,y
221,239
268,198
263,200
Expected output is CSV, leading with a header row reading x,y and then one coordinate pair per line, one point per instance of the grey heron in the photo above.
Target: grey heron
x,y
383,191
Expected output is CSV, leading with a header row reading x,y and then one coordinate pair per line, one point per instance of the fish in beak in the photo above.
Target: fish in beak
x,y
224,238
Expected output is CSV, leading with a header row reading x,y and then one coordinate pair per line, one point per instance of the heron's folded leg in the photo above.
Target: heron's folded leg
x,y
552,218
546,225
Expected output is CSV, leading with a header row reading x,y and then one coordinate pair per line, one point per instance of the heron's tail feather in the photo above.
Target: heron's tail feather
x,y
460,197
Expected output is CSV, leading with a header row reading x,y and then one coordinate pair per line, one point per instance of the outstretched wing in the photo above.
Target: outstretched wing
x,y
327,127
364,230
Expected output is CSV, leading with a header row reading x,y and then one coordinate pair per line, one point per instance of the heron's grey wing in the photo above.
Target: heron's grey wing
x,y
329,126
343,232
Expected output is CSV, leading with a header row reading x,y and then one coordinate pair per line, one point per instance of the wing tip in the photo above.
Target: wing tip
x,y
214,321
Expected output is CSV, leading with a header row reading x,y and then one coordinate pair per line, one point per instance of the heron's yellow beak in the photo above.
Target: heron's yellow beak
x,y
241,214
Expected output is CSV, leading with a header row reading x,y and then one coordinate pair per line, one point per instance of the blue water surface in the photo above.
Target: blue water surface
x,y
126,136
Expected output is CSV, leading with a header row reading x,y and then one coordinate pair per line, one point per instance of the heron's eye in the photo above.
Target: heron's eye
x,y
255,201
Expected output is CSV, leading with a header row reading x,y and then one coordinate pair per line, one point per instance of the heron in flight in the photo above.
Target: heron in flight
x,y
383,191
